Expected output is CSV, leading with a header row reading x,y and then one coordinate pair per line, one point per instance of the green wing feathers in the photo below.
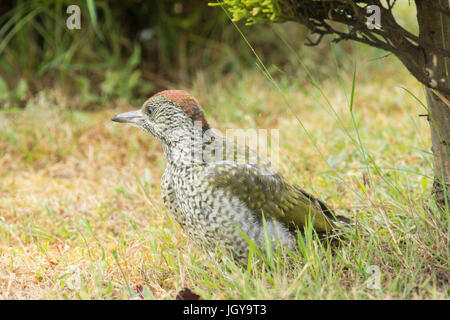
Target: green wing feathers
x,y
271,195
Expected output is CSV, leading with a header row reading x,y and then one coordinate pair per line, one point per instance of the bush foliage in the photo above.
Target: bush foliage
x,y
151,44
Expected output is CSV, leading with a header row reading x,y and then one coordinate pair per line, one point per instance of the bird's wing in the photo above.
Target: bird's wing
x,y
269,194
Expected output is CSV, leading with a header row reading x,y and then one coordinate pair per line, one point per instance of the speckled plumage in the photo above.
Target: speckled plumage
x,y
213,198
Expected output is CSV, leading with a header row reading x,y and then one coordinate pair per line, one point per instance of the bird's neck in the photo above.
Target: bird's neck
x,y
184,152
191,149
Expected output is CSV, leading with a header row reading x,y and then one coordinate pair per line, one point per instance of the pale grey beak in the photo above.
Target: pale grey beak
x,y
132,117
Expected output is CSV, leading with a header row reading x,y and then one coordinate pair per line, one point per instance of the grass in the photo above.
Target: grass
x,y
81,215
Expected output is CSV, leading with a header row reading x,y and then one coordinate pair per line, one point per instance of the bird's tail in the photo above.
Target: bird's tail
x,y
342,219
325,208
340,222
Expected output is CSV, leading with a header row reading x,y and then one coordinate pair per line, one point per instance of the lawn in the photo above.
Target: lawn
x,y
81,215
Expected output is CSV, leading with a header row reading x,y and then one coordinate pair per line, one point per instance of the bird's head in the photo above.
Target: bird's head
x,y
167,115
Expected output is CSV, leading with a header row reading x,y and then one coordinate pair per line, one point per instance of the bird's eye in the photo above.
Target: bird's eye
x,y
149,109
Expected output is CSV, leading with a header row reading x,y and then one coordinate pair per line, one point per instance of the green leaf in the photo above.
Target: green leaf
x,y
93,17
3,89
21,89
424,184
